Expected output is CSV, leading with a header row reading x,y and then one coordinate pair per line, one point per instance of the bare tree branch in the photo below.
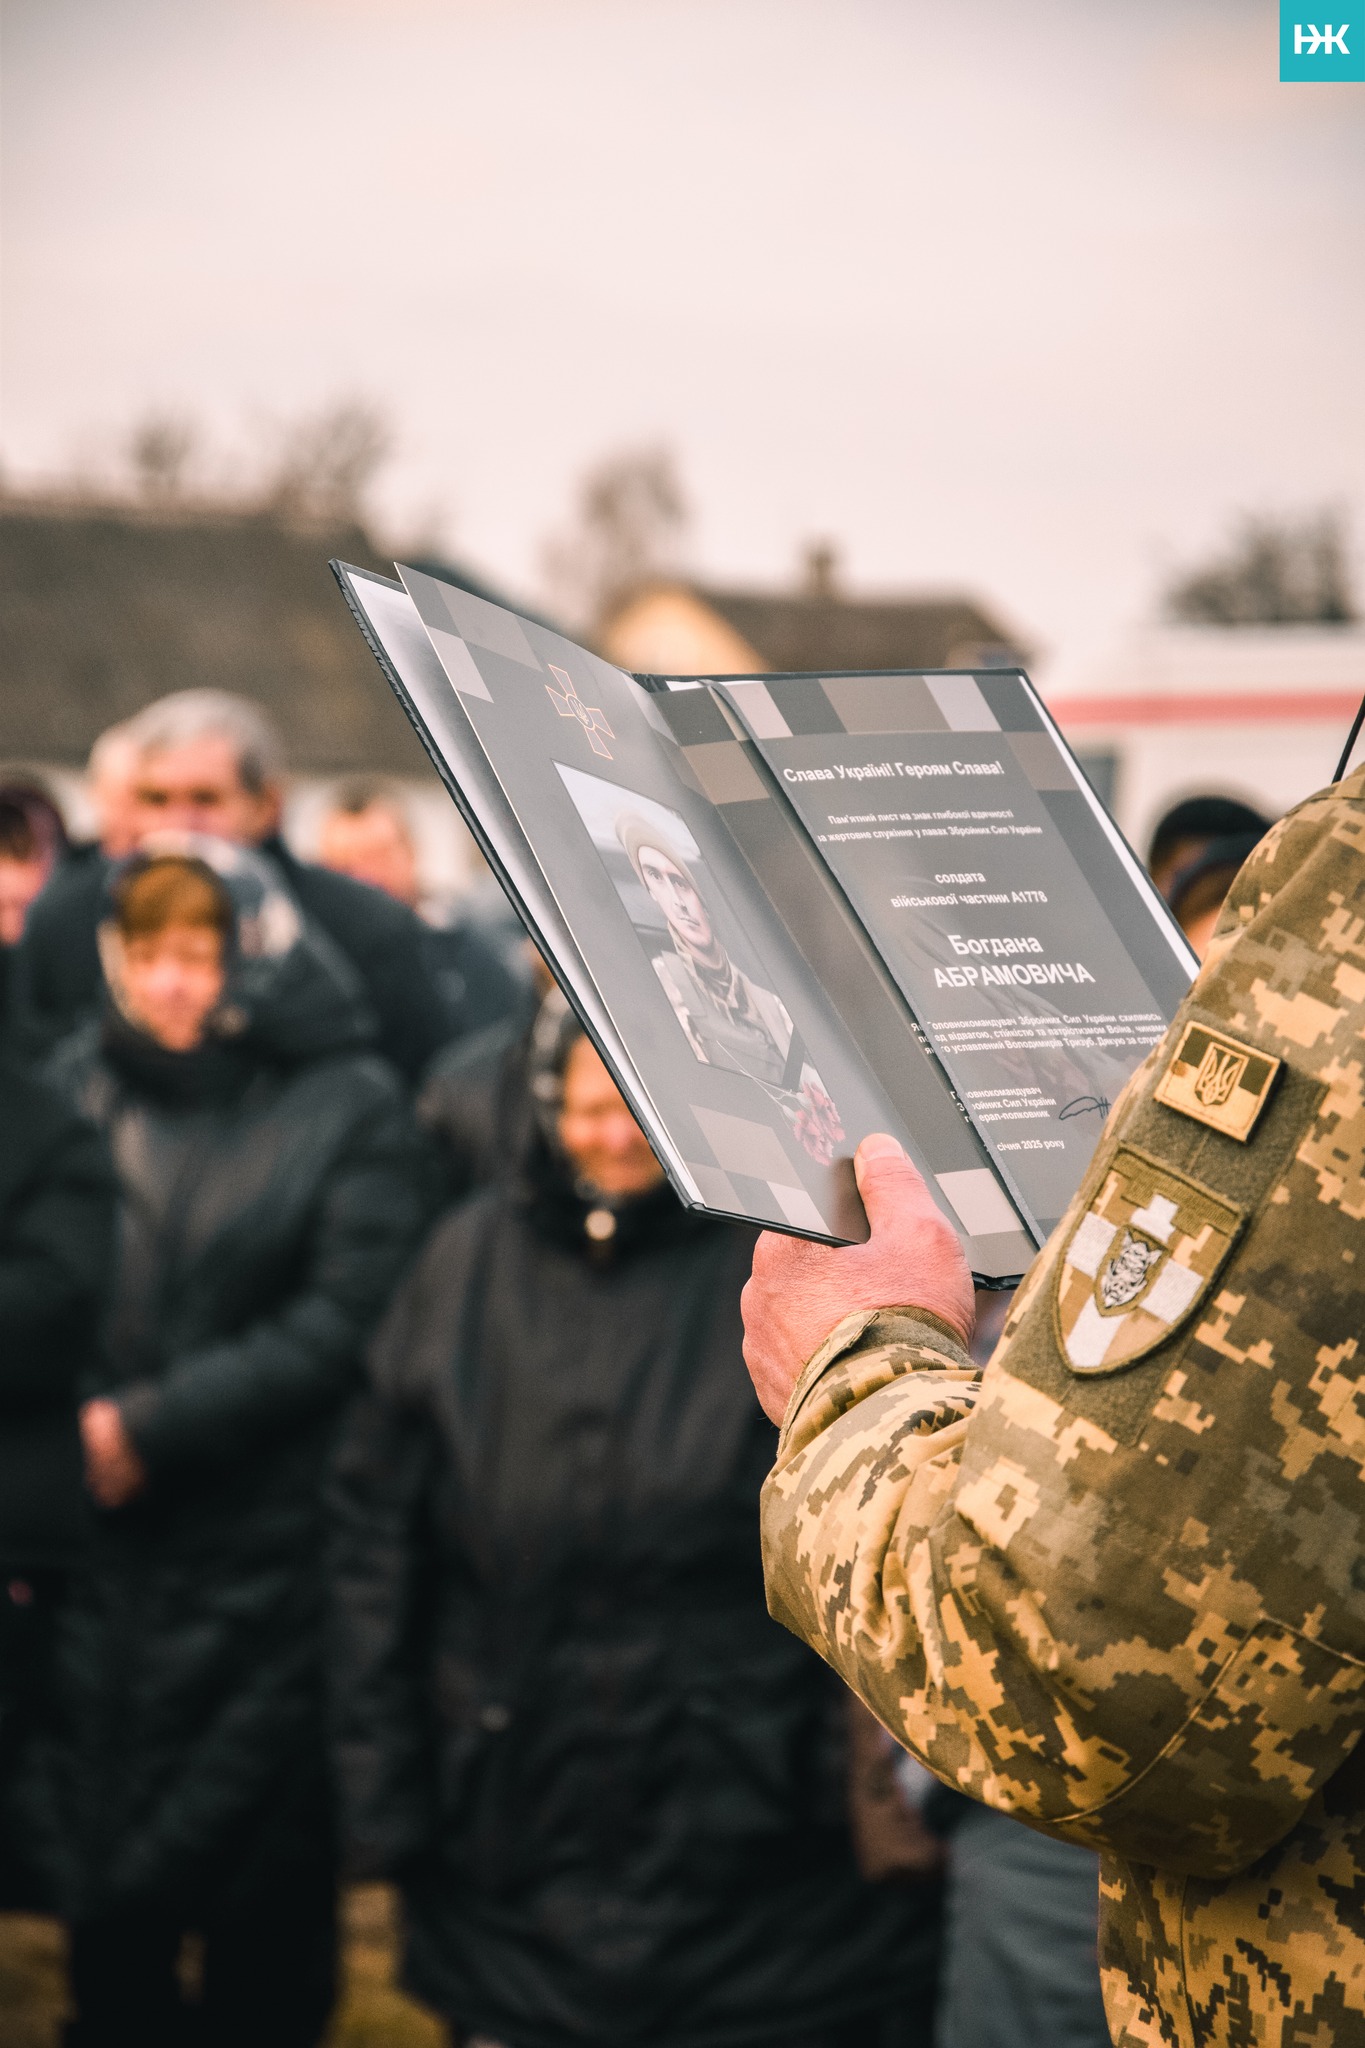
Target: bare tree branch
x,y
1276,573
627,527
161,451
328,461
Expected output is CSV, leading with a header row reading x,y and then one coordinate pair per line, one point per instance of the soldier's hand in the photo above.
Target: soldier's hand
x,y
798,1291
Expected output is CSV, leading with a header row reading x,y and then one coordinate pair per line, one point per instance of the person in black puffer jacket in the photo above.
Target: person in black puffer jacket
x,y
56,1253
612,1790
273,1188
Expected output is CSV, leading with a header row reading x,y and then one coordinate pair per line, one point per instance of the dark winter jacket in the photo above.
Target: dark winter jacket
x,y
55,981
612,1789
56,1249
273,1187
475,1104
481,978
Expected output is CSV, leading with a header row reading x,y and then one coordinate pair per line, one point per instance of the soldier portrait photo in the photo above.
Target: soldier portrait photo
x,y
680,915
728,1018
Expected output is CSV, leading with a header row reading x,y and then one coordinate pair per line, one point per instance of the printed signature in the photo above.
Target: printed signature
x,y
1085,1105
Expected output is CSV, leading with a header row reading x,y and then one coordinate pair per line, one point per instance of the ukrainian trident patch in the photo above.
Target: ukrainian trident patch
x,y
1218,1081
1138,1261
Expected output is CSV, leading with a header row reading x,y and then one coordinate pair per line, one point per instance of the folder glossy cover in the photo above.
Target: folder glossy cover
x,y
774,901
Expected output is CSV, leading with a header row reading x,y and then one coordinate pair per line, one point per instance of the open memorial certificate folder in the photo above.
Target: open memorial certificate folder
x,y
792,910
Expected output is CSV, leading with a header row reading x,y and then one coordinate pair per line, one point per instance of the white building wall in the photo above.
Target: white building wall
x,y
1255,713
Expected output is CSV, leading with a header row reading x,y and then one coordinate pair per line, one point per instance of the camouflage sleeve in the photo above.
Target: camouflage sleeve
x,y
1119,1591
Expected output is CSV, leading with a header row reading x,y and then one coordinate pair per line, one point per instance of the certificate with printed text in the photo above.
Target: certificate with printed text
x,y
791,910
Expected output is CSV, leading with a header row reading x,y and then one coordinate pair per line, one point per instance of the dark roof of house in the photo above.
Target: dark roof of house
x,y
103,608
805,630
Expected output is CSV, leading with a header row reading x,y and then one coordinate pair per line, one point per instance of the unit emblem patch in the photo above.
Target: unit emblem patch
x,y
1123,1277
1138,1262
1218,1081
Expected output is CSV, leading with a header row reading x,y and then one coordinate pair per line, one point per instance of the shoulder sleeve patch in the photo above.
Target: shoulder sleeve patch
x,y
1218,1081
1138,1261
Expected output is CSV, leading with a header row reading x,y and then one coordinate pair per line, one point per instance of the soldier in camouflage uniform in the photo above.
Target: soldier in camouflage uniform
x,y
1115,1585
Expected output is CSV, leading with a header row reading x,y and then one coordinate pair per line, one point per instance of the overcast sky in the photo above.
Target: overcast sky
x,y
1033,296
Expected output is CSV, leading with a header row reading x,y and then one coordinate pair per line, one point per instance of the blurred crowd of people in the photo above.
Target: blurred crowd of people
x,y
379,1481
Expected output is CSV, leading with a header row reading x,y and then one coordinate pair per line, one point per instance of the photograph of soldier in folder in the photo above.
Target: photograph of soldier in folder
x,y
718,911
678,910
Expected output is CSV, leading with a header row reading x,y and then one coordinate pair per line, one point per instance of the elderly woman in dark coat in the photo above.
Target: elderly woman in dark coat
x,y
612,1790
273,1187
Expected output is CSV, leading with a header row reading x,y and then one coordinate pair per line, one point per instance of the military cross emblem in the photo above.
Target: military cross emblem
x,y
569,704
1138,1261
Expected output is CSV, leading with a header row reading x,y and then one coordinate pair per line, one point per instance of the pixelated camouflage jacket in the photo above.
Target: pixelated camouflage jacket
x,y
1115,1585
